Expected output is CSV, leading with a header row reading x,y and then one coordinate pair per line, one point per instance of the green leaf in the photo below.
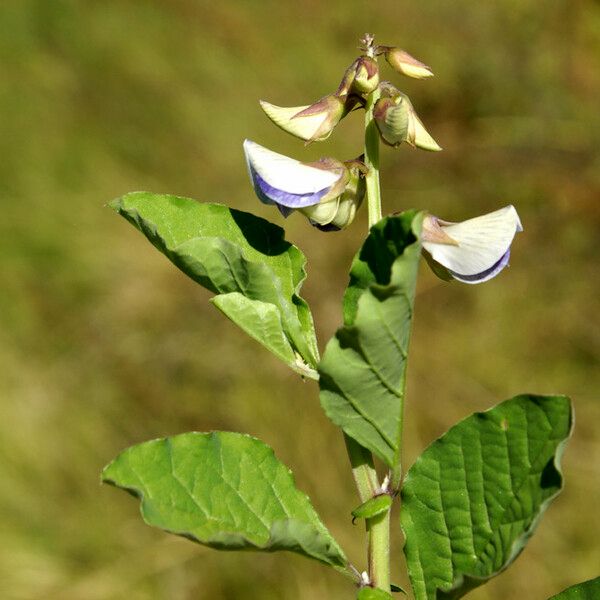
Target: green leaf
x,y
369,593
373,507
588,590
225,490
474,497
259,320
234,253
363,368
396,588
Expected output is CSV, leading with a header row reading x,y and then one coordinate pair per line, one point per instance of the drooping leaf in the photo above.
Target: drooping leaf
x,y
259,320
373,507
225,490
369,593
474,497
588,590
234,253
363,368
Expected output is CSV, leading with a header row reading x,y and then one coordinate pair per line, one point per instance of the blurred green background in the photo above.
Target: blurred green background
x,y
103,343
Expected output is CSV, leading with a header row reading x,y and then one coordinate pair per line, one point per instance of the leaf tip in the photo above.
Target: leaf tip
x,y
116,204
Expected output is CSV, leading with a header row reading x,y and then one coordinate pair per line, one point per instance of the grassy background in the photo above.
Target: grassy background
x,y
104,344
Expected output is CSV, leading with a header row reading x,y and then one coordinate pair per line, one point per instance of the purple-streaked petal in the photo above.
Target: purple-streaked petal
x,y
484,275
287,174
477,249
271,195
328,227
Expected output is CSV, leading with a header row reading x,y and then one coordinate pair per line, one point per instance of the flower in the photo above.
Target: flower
x,y
398,122
472,251
313,122
327,191
404,63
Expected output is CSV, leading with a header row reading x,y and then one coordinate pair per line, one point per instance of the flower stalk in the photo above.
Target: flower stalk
x,y
372,160
362,462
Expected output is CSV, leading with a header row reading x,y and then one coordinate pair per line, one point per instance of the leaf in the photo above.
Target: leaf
x,y
259,320
232,252
396,588
474,497
363,368
373,507
225,490
588,590
369,593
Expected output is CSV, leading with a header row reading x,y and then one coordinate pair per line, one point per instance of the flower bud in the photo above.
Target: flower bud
x,y
472,251
314,122
398,122
406,64
347,80
366,77
391,117
339,212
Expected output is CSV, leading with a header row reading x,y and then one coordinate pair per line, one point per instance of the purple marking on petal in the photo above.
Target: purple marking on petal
x,y
484,275
271,195
328,227
284,210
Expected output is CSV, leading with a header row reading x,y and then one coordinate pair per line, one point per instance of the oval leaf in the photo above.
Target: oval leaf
x,y
373,507
474,497
225,490
228,251
588,590
363,368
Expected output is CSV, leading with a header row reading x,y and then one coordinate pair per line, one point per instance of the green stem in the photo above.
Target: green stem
x,y
378,528
361,459
396,472
363,470
379,551
372,160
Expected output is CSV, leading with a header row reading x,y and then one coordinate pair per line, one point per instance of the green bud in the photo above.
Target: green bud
x,y
391,116
347,80
398,122
366,77
406,64
337,210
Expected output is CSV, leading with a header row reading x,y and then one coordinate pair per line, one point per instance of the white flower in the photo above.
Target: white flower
x,y
327,191
475,250
287,182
